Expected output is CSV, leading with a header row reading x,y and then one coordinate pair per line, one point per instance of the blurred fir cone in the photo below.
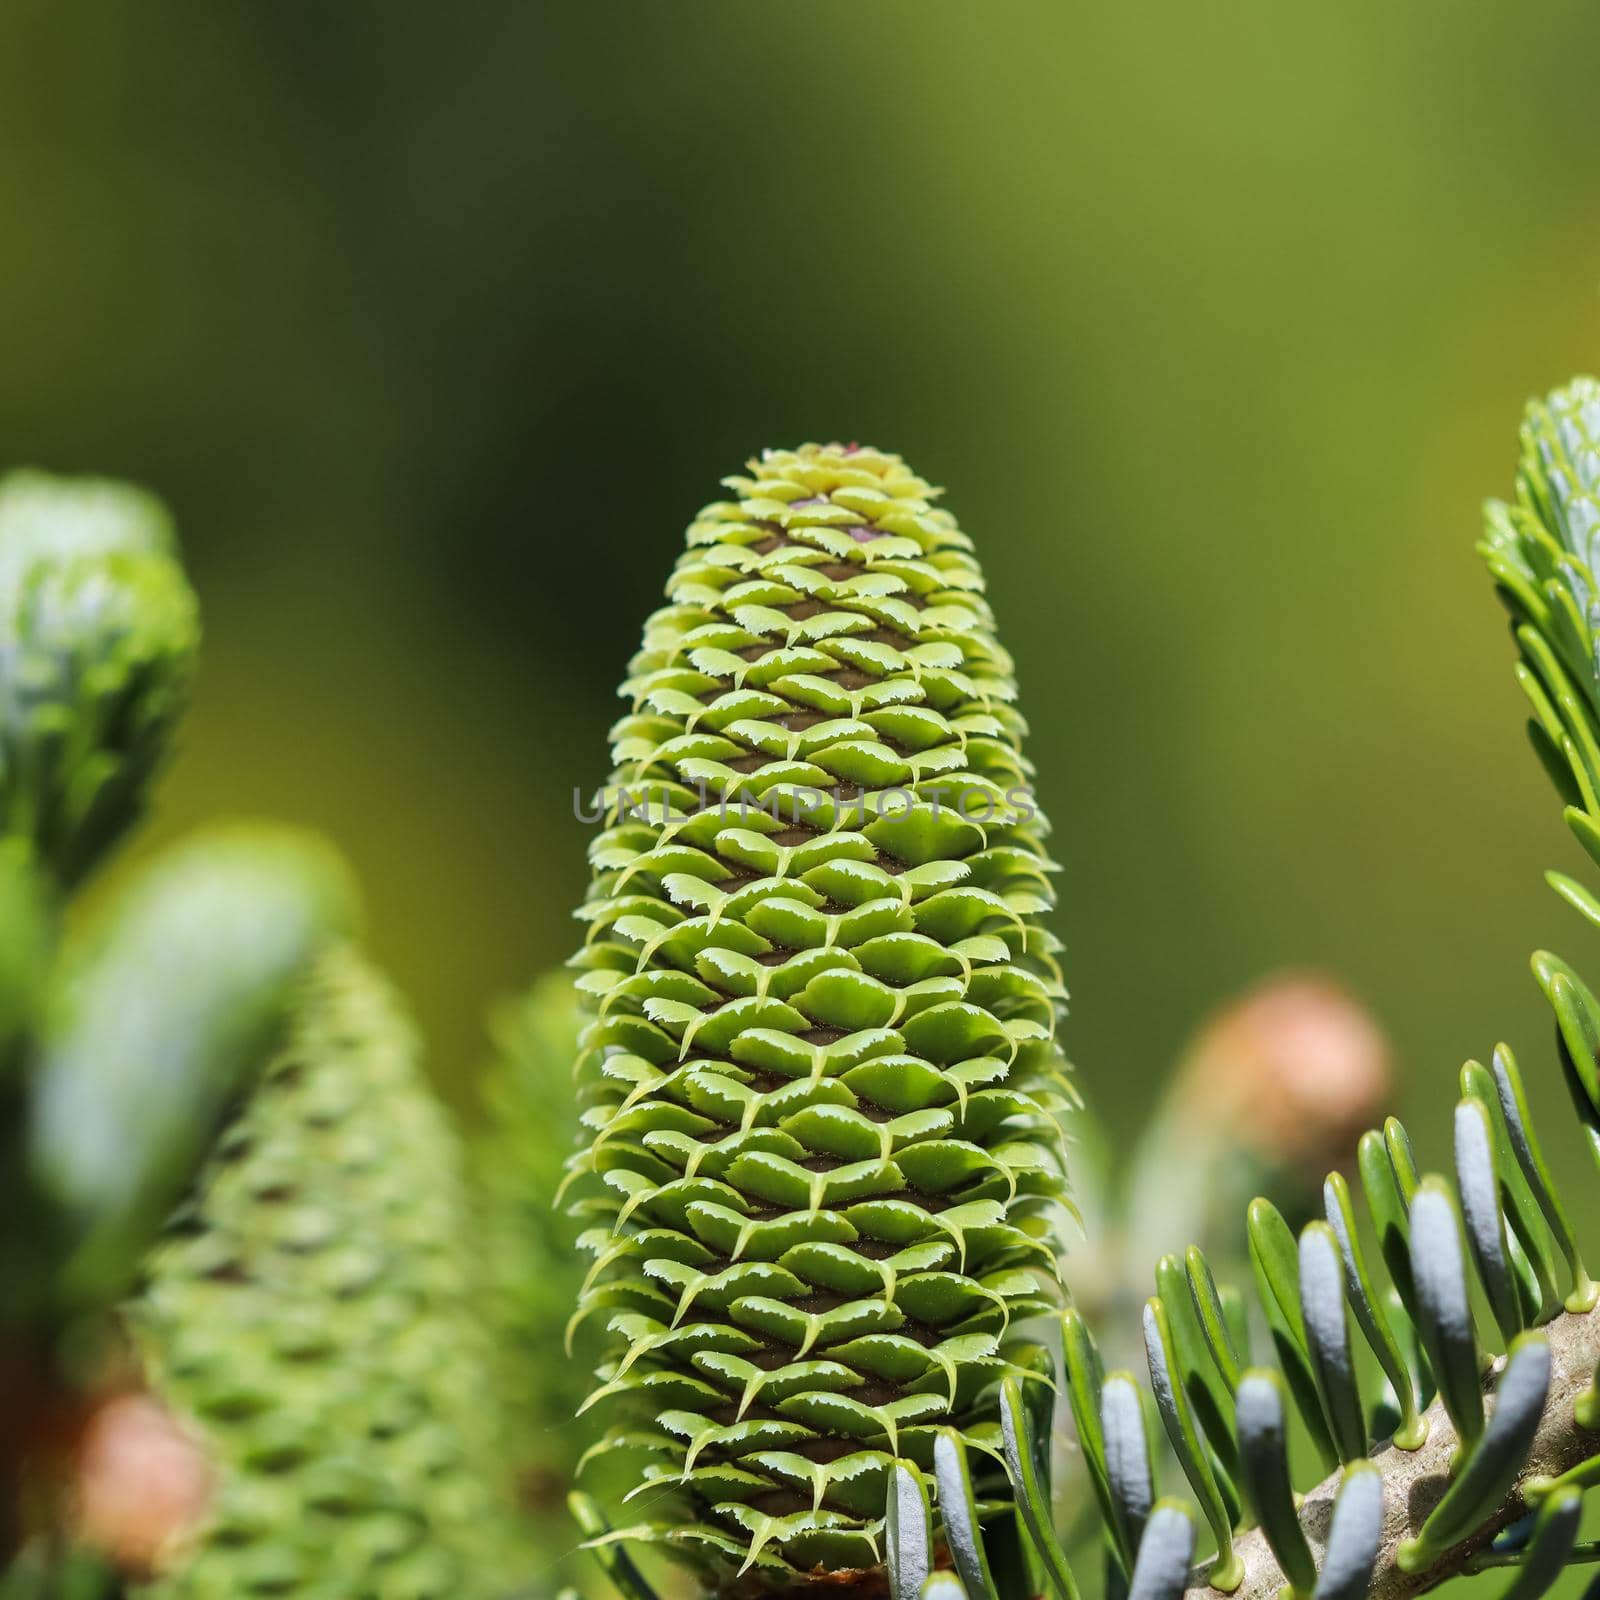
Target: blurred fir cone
x,y
312,1314
530,1247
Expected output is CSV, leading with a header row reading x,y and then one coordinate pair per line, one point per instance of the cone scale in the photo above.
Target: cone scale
x,y
823,1173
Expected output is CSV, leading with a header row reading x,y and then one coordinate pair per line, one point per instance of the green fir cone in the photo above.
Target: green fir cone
x,y
824,1166
313,1312
98,634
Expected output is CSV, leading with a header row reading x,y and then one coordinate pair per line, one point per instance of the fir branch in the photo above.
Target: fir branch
x,y
1414,1482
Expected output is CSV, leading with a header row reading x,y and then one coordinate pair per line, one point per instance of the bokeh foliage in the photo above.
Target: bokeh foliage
x,y
1214,323
423,323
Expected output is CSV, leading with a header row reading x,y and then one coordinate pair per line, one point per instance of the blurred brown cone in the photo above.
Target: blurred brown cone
x,y
142,1483
1272,1092
1295,1068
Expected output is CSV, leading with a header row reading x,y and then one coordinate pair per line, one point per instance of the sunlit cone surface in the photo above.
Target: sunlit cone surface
x,y
823,1093
310,1314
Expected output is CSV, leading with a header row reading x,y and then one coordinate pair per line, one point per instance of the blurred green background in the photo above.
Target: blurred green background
x,y
435,325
